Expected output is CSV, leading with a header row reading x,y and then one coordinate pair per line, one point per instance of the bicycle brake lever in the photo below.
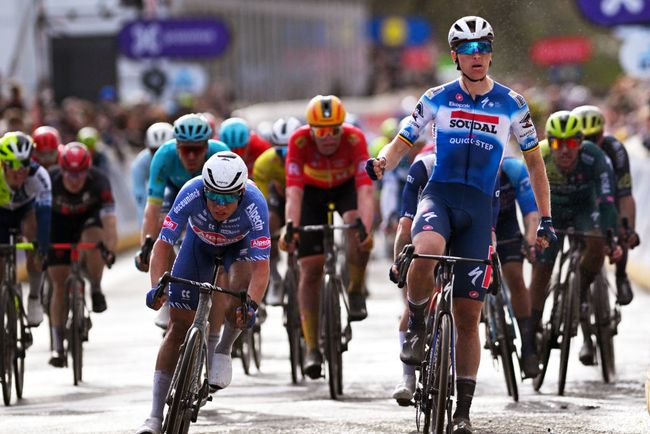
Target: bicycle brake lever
x,y
162,284
404,261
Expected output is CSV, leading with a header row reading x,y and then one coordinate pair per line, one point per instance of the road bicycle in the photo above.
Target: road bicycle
x,y
333,335
15,335
569,309
291,313
78,322
189,389
435,387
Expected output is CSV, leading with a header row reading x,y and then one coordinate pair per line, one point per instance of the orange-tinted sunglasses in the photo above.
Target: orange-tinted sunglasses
x,y
571,142
322,132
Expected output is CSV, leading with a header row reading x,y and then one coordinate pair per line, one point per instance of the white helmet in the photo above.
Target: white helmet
x,y
282,130
225,172
159,133
469,28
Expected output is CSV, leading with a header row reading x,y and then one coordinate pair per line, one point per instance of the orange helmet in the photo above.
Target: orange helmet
x,y
325,111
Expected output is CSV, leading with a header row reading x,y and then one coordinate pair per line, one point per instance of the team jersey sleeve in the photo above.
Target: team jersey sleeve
x,y
105,195
185,204
259,238
358,142
604,179
496,202
157,176
415,182
295,161
518,175
522,124
621,170
424,112
43,206
139,179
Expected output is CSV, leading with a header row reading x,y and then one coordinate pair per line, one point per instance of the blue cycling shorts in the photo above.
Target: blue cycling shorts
x,y
463,216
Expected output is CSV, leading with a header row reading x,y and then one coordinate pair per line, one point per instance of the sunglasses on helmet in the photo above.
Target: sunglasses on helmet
x,y
322,132
571,142
474,47
220,198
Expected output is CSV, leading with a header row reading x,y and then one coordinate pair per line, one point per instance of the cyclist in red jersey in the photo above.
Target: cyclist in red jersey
x,y
46,146
325,163
235,133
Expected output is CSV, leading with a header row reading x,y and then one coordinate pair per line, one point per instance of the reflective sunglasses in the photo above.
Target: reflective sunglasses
x,y
473,47
571,142
219,198
191,149
17,164
322,132
75,175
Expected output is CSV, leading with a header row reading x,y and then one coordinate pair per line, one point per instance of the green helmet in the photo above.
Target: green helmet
x,y
593,121
16,148
563,124
89,136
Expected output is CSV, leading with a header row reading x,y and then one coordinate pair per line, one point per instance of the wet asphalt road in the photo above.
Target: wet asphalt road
x,y
116,393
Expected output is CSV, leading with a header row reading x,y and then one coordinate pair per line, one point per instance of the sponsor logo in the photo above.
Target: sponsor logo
x,y
215,238
261,243
409,179
428,216
168,223
474,121
455,104
427,228
434,91
471,140
604,183
473,294
475,274
293,169
518,98
185,294
485,101
488,271
186,200
418,112
254,217
459,97
526,121
587,159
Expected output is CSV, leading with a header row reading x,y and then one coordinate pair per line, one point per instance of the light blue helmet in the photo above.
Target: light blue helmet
x,y
234,132
192,128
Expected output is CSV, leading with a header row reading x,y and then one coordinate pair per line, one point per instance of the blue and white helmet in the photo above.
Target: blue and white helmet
x,y
192,128
225,172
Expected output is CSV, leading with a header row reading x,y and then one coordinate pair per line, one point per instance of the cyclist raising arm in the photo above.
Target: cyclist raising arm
x,y
226,216
474,117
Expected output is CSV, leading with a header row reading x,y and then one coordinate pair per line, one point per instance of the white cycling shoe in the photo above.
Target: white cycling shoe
x,y
153,425
220,374
403,392
162,319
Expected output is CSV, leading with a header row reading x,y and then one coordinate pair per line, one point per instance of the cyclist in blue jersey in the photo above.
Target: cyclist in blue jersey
x,y
156,135
515,187
474,117
175,163
226,215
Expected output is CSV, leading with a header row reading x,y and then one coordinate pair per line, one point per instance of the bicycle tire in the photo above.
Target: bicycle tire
x,y
177,418
332,328
245,349
569,317
256,341
441,380
506,348
293,326
548,339
604,332
75,344
19,357
6,343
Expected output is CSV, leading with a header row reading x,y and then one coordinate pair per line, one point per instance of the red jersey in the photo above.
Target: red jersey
x,y
305,165
249,153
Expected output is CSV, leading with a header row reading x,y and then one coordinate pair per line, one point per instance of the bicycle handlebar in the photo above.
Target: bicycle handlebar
x,y
167,278
107,255
358,225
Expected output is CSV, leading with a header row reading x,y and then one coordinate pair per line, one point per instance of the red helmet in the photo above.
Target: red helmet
x,y
75,157
46,139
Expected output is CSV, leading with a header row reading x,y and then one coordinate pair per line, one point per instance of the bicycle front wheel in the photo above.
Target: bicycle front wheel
x,y
179,399
442,375
21,345
507,349
604,328
7,342
75,287
332,328
569,325
294,330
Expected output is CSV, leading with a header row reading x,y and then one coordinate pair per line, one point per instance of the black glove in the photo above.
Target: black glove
x,y
546,230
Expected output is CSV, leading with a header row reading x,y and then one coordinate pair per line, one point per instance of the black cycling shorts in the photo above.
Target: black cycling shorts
x,y
314,212
68,229
11,219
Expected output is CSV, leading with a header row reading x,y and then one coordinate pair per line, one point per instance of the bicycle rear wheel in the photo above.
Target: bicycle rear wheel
x,y
246,349
75,287
332,328
442,375
7,342
179,399
569,325
506,348
604,324
21,346
549,337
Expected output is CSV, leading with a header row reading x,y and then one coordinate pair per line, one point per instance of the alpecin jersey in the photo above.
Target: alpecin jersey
x,y
471,134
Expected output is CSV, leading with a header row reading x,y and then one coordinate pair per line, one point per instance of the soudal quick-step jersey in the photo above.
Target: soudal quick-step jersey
x,y
471,134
